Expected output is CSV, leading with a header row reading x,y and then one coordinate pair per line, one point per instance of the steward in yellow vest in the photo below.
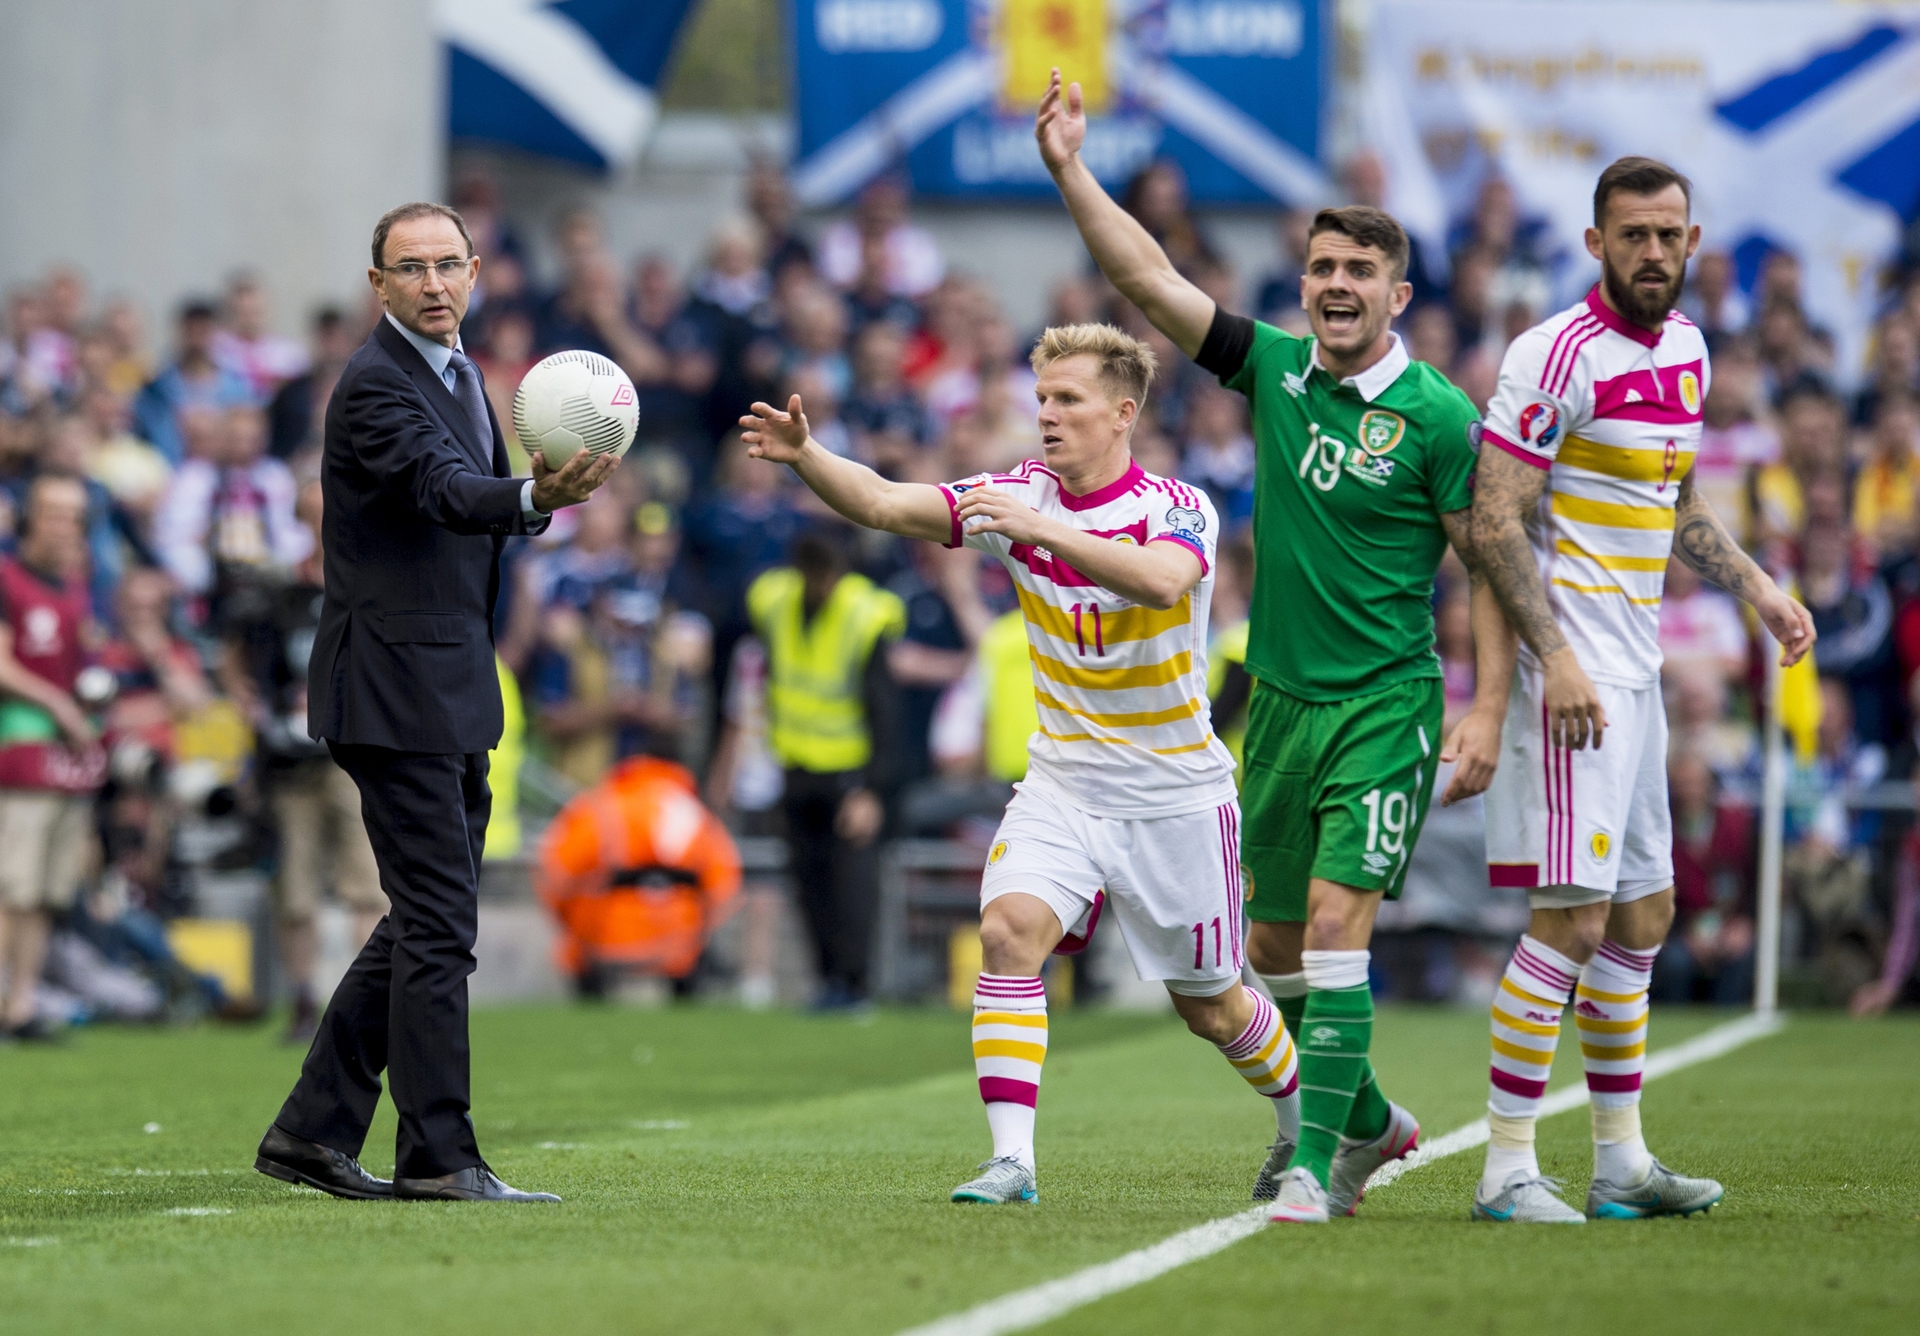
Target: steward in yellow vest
x,y
1229,687
831,720
1006,680
503,769
818,651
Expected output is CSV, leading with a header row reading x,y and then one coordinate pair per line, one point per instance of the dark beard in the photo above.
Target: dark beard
x,y
1648,312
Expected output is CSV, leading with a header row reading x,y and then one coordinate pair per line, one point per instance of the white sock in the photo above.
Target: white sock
x,y
1526,1029
1510,1150
1620,1153
1264,1057
1009,1046
1612,1016
1286,1112
1012,1129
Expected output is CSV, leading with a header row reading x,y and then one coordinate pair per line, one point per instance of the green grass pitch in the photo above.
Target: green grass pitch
x,y
731,1172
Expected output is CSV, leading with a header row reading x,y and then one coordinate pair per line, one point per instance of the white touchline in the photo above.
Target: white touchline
x,y
1042,1303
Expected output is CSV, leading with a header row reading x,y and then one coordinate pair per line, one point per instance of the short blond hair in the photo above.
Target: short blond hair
x,y
1126,364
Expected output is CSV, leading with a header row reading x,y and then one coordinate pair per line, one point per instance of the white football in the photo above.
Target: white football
x,y
575,401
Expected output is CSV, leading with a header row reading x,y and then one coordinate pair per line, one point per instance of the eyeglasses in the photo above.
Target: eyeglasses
x,y
415,271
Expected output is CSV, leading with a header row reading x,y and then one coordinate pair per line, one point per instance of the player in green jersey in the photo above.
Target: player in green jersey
x,y
1364,473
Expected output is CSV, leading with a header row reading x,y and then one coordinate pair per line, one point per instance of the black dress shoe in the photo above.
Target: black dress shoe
x,y
475,1184
292,1159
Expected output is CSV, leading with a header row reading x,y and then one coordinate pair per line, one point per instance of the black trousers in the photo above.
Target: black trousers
x,y
838,882
402,1007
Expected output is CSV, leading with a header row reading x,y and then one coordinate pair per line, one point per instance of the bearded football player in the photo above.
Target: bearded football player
x,y
1585,490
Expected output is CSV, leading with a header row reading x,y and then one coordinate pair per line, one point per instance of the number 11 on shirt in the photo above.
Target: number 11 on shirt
x,y
1079,629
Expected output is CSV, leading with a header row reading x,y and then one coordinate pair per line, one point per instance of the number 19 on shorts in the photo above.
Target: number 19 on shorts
x,y
1386,821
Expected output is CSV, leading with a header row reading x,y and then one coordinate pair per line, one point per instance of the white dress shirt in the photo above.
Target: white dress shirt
x,y
440,358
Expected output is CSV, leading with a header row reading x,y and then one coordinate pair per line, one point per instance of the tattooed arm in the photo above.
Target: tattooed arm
x,y
1702,542
1475,742
1506,490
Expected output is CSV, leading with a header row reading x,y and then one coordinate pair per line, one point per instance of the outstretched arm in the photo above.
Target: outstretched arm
x,y
1702,541
417,460
1506,490
1131,259
1475,742
910,509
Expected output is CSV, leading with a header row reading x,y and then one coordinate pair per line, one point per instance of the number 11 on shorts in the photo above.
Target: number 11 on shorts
x,y
1200,943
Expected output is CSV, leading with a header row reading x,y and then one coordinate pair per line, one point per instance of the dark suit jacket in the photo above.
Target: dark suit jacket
x,y
417,510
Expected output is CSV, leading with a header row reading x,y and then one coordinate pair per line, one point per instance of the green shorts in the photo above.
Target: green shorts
x,y
1336,790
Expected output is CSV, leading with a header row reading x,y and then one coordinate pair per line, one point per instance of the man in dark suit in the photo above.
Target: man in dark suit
x,y
402,686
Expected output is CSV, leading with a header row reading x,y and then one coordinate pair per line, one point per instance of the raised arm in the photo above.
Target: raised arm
x,y
1475,742
1702,542
1506,491
910,509
1130,258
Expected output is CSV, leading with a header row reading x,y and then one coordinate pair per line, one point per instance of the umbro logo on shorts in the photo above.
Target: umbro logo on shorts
x,y
1376,863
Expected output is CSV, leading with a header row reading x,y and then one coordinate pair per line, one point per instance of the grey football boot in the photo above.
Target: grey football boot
x,y
1355,1161
1662,1192
1002,1180
1526,1199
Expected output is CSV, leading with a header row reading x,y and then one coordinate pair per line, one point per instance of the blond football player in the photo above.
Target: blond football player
x,y
1128,806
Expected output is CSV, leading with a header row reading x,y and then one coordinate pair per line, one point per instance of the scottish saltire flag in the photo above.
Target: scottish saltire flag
x,y
1798,123
569,79
1231,89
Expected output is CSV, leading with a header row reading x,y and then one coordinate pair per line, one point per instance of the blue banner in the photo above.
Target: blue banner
x,y
1229,89
568,79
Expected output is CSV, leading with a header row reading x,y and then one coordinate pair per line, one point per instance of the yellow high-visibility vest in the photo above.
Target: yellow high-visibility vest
x,y
503,771
1230,646
816,720
1006,671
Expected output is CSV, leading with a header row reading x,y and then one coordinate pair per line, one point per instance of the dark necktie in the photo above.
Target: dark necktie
x,y
466,388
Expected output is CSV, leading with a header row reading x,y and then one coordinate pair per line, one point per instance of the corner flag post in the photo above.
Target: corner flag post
x,y
1773,811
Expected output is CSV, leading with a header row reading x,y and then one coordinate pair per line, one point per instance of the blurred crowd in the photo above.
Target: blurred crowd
x,y
172,481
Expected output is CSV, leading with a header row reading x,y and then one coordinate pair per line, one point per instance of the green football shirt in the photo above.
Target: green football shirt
x,y
1351,478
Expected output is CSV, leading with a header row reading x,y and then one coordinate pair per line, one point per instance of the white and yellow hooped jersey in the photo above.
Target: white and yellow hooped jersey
x,y
1613,411
1125,730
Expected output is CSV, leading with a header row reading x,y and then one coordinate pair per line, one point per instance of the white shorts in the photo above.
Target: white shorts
x,y
1578,827
1172,883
